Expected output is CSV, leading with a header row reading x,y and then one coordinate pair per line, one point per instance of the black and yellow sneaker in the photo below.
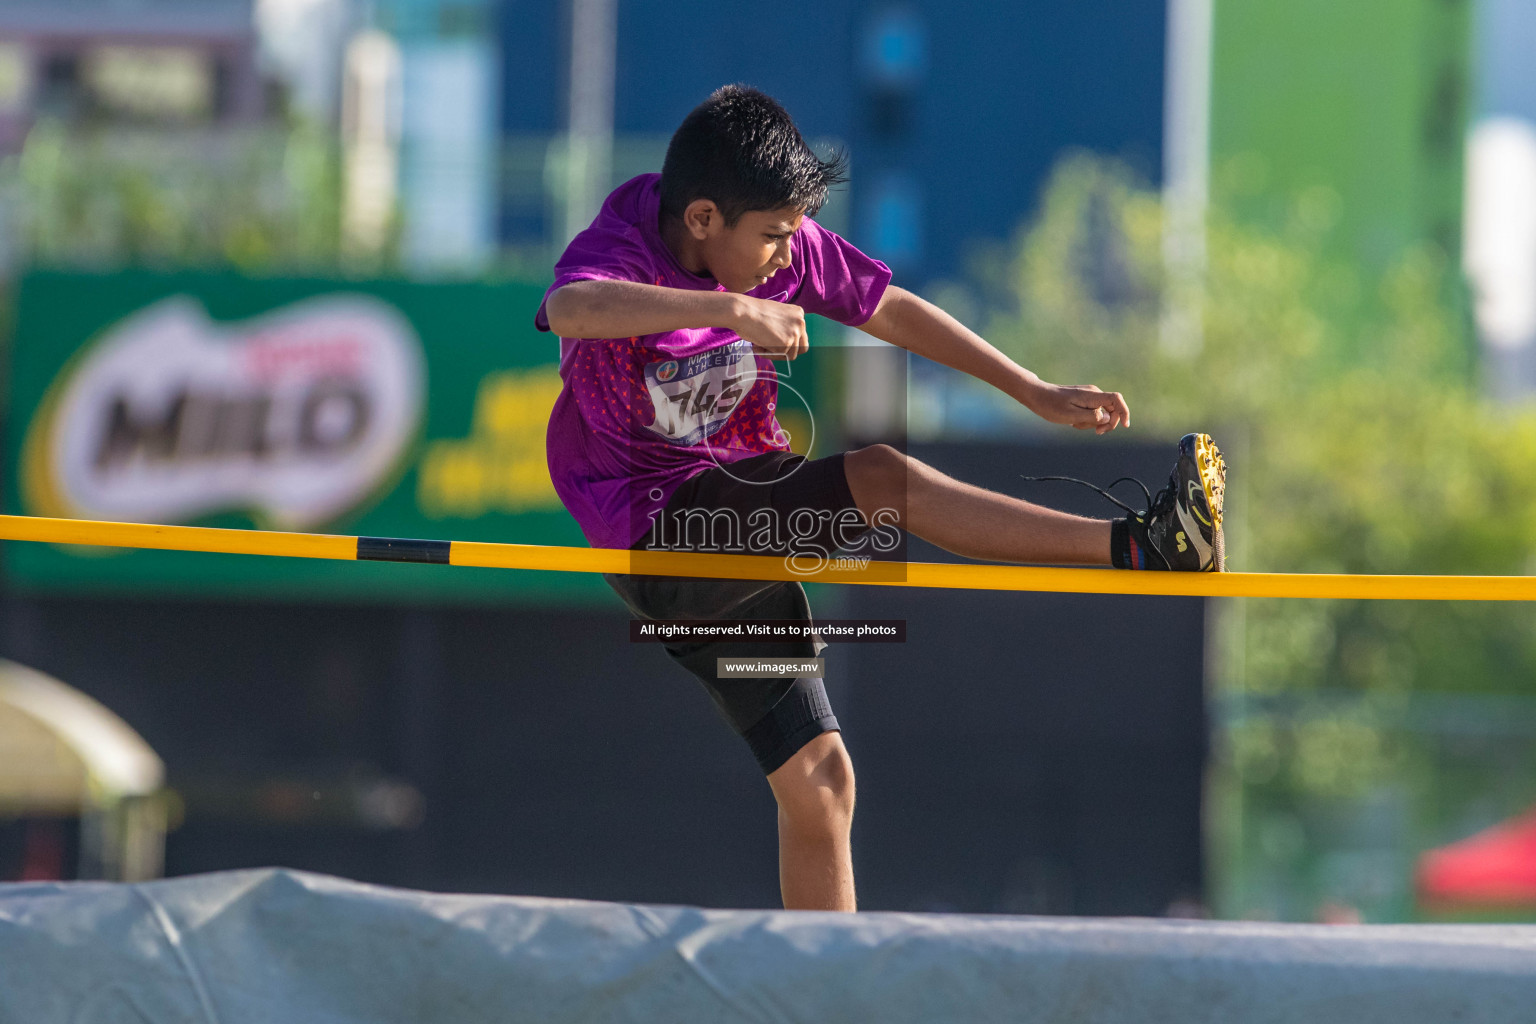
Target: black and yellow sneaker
x,y
1181,527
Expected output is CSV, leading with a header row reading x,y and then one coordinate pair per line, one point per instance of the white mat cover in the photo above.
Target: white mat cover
x,y
285,947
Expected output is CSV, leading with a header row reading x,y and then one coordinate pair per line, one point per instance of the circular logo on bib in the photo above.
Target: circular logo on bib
x,y
666,371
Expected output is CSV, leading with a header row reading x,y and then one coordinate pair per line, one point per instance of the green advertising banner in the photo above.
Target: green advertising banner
x,y
374,408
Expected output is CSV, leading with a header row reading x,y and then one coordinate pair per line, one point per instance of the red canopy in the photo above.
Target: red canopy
x,y
1495,867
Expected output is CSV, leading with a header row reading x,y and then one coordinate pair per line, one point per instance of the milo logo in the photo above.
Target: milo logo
x,y
295,417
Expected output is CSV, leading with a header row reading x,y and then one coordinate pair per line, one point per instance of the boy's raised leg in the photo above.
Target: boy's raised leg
x,y
969,520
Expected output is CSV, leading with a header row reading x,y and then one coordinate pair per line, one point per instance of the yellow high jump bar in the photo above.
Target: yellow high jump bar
x,y
968,576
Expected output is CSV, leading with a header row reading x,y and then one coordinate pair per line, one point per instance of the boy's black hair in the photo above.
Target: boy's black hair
x,y
740,150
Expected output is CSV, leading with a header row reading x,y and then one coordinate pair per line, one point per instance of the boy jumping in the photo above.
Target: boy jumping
x,y
669,309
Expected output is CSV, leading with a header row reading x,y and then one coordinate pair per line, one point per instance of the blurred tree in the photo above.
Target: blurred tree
x,y
261,200
1357,442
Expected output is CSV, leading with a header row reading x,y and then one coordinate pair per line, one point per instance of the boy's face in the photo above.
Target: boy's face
x,y
748,254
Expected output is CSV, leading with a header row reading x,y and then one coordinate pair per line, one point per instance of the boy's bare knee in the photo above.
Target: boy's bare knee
x,y
815,788
877,476
878,463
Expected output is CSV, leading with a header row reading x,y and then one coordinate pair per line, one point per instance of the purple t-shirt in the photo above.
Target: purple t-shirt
x,y
638,416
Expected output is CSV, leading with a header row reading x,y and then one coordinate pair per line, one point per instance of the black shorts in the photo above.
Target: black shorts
x,y
810,500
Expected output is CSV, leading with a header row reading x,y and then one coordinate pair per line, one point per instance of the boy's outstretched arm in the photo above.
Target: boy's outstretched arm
x,y
625,309
910,322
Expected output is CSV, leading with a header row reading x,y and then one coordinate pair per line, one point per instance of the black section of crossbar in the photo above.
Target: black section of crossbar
x,y
396,549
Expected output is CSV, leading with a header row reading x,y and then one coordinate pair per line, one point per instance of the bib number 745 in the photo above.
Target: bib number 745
x,y
693,397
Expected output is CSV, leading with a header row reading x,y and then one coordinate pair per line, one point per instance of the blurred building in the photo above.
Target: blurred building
x,y
150,62
493,123
412,87
1501,196
954,113
303,46
447,127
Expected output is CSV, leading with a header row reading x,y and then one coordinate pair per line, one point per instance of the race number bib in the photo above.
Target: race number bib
x,y
694,396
